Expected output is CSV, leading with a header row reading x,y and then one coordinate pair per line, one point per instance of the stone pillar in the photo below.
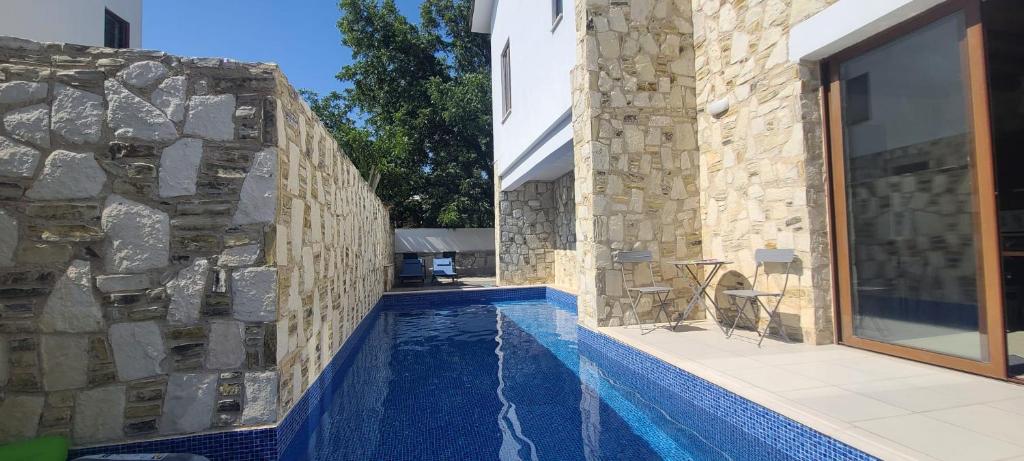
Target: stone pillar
x,y
634,135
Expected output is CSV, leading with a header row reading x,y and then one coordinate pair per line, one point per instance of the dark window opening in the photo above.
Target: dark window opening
x,y
506,81
116,31
858,99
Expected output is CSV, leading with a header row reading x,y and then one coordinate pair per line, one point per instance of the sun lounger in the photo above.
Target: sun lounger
x,y
412,269
444,267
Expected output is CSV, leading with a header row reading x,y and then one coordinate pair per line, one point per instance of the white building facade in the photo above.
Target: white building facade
x,y
111,23
533,137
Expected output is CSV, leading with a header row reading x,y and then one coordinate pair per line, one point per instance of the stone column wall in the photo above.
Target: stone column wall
x,y
634,134
141,238
536,234
762,166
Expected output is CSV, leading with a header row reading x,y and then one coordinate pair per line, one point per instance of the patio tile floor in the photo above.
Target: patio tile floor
x,y
886,406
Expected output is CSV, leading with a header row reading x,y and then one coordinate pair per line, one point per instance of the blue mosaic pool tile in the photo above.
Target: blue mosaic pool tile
x,y
564,300
240,445
304,416
791,437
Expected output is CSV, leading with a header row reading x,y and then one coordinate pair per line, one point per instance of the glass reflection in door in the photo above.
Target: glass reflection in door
x,y
907,144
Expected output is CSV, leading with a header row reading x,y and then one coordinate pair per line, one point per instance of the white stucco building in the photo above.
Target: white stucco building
x,y
111,23
533,138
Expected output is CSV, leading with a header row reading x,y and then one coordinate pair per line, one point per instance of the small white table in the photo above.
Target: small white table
x,y
700,287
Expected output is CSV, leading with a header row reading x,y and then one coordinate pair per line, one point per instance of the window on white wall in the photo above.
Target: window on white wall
x,y
556,13
506,82
116,31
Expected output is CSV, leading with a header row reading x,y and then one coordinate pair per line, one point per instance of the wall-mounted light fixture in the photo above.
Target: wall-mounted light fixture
x,y
719,107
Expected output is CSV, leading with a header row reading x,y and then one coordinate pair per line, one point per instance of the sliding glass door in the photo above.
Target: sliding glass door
x,y
918,261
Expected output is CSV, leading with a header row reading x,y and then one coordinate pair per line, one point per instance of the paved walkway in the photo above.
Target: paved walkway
x,y
889,407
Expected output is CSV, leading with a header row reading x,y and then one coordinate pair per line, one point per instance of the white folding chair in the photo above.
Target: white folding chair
x,y
752,298
659,294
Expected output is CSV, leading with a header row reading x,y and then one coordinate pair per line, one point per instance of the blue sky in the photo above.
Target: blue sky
x,y
300,35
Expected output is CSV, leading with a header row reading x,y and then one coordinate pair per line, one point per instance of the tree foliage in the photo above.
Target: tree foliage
x,y
418,111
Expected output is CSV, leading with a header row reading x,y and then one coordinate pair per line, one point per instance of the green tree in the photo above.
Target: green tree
x,y
418,111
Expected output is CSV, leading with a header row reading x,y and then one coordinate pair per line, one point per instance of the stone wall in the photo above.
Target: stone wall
x,y
634,135
536,234
762,171
333,248
525,231
143,242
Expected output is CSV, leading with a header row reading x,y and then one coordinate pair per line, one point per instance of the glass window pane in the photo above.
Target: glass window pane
x,y
911,215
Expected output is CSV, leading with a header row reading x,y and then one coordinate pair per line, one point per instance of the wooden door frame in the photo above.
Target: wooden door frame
x,y
990,295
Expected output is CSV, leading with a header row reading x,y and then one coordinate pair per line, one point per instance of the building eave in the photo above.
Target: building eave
x,y
481,15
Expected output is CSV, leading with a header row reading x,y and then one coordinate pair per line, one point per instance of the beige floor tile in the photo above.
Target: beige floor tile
x,y
789,358
830,373
842,404
688,350
961,389
941,440
941,378
1001,424
906,393
774,379
727,363
983,390
1013,405
887,367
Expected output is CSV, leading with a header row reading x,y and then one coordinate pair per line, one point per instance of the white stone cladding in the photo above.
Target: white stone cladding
x,y
77,115
179,167
190,402
99,414
68,175
17,160
29,124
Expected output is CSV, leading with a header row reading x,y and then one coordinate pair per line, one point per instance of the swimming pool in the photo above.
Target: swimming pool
x,y
518,380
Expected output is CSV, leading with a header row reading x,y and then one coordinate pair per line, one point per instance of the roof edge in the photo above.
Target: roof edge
x,y
481,14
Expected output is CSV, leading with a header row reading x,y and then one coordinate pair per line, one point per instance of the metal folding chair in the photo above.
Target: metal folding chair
x,y
659,295
752,298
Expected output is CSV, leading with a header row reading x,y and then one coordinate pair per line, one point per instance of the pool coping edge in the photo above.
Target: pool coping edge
x,y
847,433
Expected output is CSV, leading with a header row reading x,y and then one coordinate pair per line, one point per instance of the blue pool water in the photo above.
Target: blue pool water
x,y
504,381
